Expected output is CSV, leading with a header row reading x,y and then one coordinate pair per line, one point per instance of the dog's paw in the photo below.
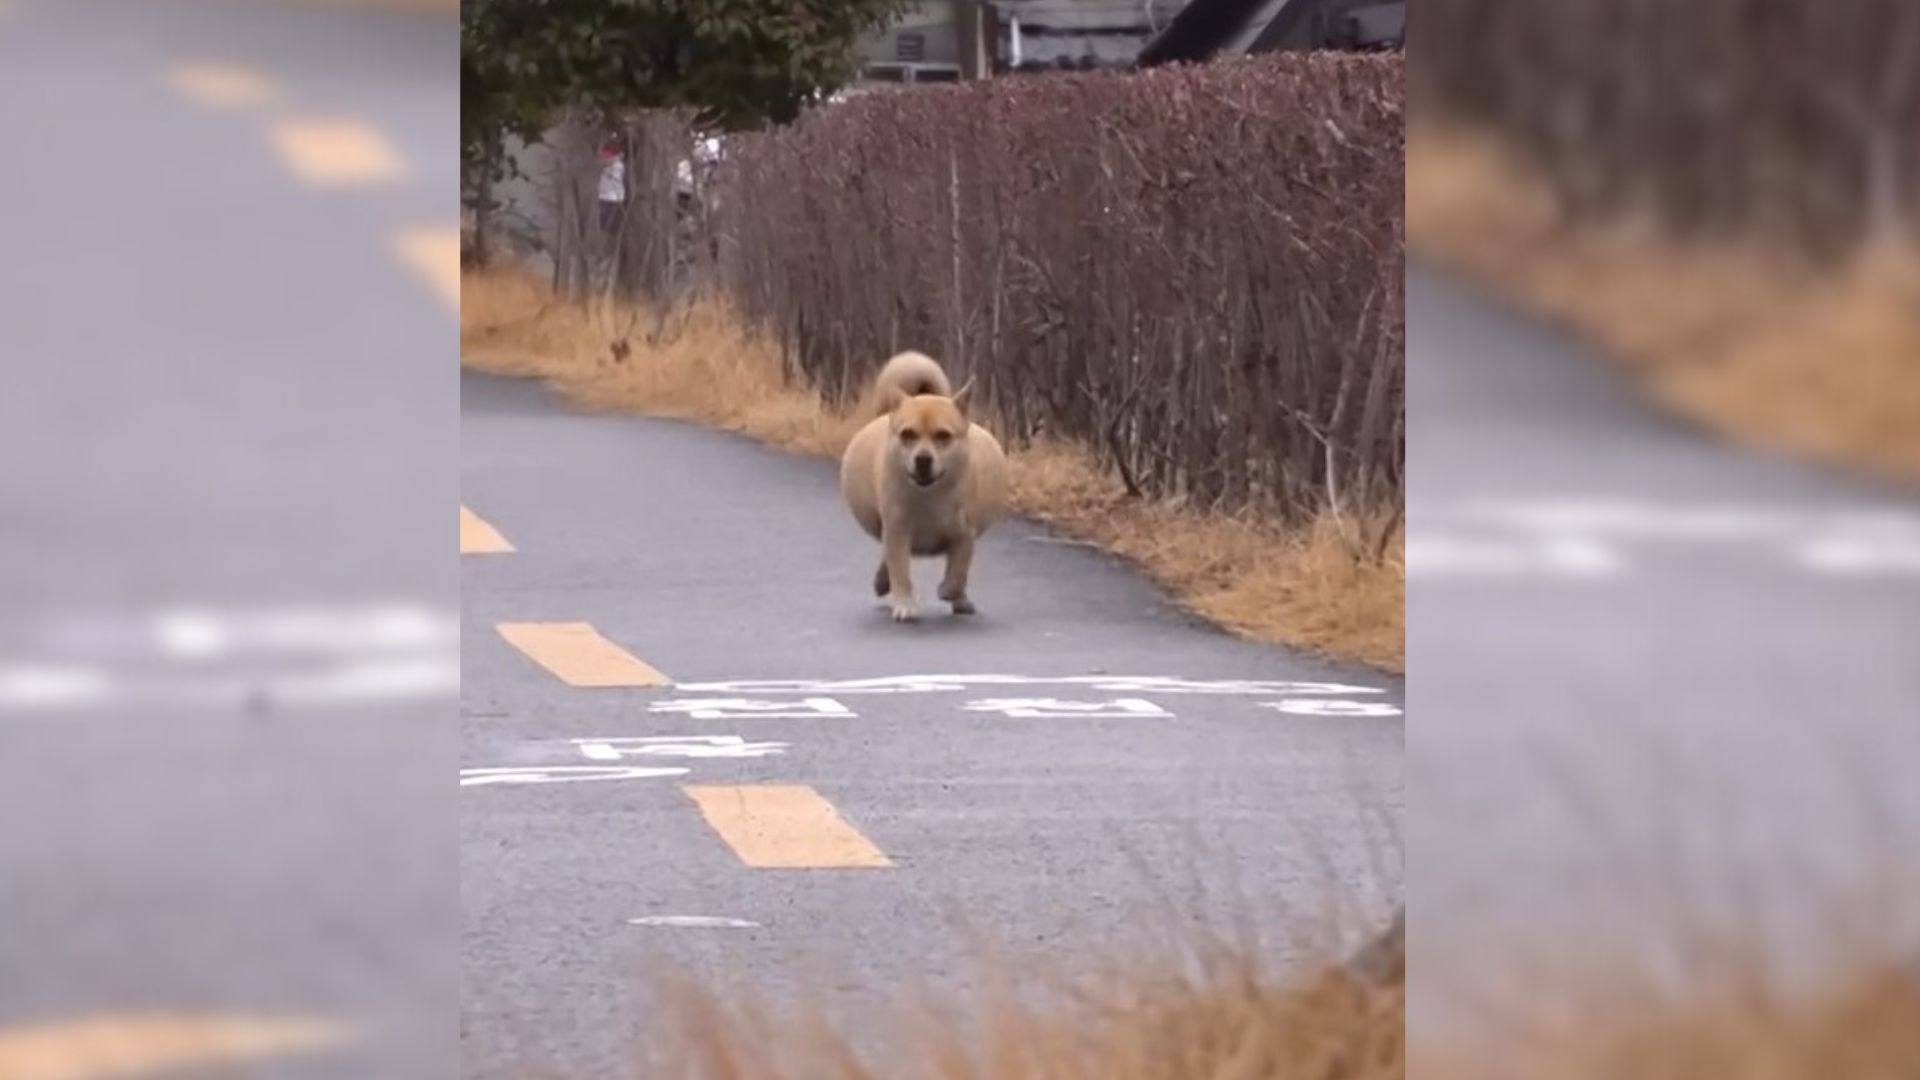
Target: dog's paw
x,y
904,611
962,605
882,584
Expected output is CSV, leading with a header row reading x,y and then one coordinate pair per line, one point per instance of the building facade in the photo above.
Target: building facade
x,y
948,40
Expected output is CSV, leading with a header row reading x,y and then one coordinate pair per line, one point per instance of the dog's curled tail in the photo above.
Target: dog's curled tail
x,y
909,374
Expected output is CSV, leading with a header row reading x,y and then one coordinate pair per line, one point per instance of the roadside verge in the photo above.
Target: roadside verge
x,y
1335,587
1742,337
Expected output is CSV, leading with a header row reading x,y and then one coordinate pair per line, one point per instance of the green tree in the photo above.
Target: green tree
x,y
738,63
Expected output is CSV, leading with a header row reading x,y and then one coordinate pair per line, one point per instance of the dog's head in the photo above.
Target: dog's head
x,y
929,434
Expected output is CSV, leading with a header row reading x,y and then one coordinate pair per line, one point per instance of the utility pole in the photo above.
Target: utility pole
x,y
973,22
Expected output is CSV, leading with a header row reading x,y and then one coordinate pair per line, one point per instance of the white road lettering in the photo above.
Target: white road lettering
x,y
929,684
1325,707
749,709
198,633
1863,555
339,685
1056,709
682,746
49,687
1640,520
1564,557
563,774
694,922
1583,537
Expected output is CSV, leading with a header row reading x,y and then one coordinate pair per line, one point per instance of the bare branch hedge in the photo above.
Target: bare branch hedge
x,y
1798,119
1196,271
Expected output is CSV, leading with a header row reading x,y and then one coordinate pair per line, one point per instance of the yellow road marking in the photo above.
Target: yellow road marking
x,y
126,1046
336,153
434,254
223,85
579,655
786,827
479,538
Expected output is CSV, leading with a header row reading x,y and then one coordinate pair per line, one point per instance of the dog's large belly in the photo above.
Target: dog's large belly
x,y
869,519
859,480
929,542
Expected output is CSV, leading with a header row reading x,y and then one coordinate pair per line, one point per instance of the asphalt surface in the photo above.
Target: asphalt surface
x,y
227,607
716,561
1659,676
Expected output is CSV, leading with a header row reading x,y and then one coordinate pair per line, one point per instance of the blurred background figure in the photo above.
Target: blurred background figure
x,y
613,186
228,637
1664,336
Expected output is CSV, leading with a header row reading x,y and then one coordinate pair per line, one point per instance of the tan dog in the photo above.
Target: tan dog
x,y
923,479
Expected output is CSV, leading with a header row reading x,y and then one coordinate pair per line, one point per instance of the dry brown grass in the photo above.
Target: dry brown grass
x,y
1741,337
1229,1021
1862,1025
1320,588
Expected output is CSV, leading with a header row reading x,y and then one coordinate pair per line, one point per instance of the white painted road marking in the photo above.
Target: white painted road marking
x,y
1861,556
357,682
1596,537
562,774
1056,709
371,680
933,684
1636,519
1326,707
1564,557
204,633
685,746
49,687
694,922
749,709
192,655
196,633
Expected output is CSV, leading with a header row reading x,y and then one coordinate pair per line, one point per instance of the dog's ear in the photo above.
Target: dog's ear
x,y
891,398
963,395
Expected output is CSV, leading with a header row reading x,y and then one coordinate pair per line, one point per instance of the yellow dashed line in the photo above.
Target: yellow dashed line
x,y
337,153
435,255
121,1047
785,827
479,538
579,655
221,85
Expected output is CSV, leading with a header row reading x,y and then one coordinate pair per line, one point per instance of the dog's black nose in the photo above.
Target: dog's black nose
x,y
923,467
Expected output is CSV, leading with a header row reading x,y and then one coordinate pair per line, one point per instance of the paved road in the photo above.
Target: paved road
x,y
1649,665
230,432
1043,791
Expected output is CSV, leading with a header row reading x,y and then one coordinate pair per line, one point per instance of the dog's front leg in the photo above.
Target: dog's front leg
x,y
897,538
953,587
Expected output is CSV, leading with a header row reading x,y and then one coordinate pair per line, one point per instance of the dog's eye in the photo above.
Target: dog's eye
x,y
909,434
943,437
